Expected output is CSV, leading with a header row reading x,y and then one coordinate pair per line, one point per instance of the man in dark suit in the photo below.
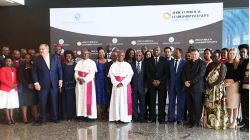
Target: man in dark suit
x,y
156,78
108,83
175,87
47,77
168,53
193,80
108,52
243,73
138,88
5,52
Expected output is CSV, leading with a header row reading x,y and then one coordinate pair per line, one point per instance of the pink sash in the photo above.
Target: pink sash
x,y
129,98
89,92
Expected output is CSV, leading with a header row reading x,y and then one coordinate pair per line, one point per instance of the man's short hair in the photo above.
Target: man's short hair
x,y
245,46
194,50
224,49
168,48
179,49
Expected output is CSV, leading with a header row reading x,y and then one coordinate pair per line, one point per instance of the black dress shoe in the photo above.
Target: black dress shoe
x,y
39,123
135,120
241,124
151,121
141,120
55,121
180,122
171,121
245,129
193,125
162,122
190,126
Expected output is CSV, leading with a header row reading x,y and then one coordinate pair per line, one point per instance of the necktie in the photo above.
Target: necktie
x,y
156,60
175,65
138,67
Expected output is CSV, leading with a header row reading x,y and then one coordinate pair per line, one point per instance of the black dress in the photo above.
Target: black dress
x,y
68,91
27,96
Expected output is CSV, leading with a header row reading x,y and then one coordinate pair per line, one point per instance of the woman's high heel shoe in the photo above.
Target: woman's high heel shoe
x,y
232,126
13,122
9,122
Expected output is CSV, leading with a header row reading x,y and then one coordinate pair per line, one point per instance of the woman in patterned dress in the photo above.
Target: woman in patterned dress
x,y
215,113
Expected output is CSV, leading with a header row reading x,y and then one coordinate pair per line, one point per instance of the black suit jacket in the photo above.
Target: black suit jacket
x,y
241,71
1,61
195,73
106,56
108,83
157,71
138,78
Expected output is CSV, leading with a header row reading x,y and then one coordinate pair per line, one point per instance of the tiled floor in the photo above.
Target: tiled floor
x,y
97,130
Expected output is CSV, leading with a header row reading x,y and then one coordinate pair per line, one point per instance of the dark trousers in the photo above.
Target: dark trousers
x,y
161,102
245,107
180,105
43,98
138,114
60,105
147,104
185,111
194,106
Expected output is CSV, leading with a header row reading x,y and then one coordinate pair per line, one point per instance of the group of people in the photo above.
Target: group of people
x,y
122,86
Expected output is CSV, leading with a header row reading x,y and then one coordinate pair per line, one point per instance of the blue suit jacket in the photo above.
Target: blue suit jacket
x,y
174,79
138,79
45,76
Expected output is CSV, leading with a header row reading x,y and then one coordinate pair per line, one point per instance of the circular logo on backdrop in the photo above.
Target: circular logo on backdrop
x,y
133,42
166,16
61,41
191,41
62,51
77,16
114,40
78,52
78,43
172,48
171,39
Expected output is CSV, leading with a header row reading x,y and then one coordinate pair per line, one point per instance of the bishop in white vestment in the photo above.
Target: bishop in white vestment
x,y
121,73
85,87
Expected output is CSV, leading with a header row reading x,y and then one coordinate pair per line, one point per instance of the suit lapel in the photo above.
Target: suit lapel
x,y
50,61
142,65
181,63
